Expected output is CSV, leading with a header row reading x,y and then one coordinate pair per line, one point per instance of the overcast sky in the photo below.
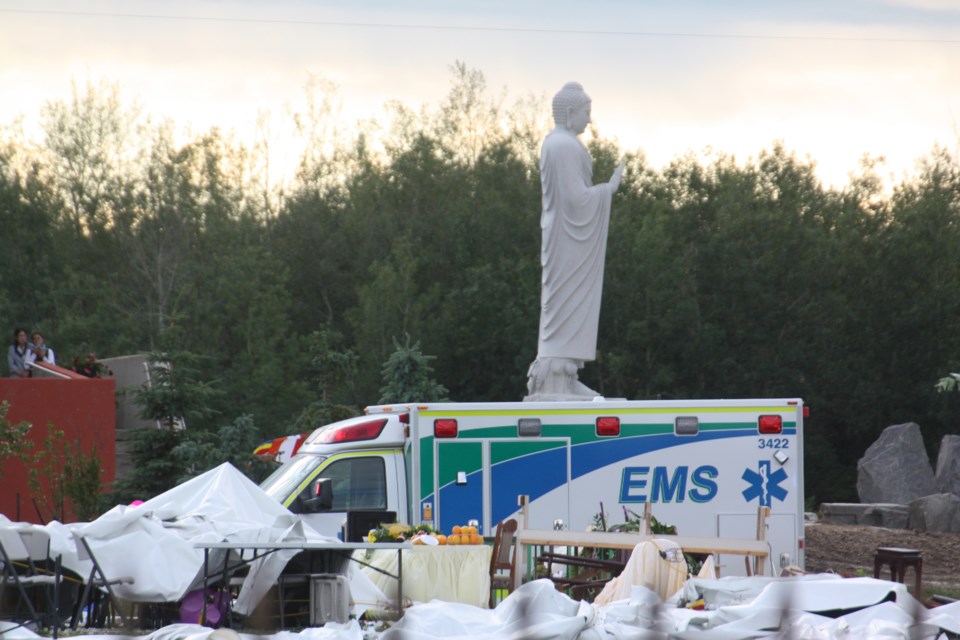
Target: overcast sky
x,y
832,79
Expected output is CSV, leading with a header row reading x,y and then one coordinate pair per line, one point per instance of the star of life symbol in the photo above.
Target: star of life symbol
x,y
764,485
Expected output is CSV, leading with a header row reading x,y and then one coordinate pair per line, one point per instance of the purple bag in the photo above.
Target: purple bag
x,y
212,605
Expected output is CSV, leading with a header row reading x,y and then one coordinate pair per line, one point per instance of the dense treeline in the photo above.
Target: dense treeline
x,y
723,279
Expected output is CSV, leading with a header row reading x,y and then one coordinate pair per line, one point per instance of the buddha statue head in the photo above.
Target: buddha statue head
x,y
571,108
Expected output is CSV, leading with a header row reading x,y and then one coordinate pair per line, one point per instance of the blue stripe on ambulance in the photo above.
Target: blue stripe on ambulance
x,y
544,471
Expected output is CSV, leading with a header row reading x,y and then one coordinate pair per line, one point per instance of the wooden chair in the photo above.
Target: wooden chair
x,y
504,558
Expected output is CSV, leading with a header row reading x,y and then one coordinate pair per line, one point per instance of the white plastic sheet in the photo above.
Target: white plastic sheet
x,y
536,610
665,574
154,543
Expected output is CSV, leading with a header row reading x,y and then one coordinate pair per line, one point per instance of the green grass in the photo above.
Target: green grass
x,y
950,592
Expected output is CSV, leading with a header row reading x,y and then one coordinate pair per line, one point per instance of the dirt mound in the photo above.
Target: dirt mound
x,y
849,550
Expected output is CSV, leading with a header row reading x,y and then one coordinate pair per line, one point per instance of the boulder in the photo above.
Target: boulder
x,y
939,512
947,479
895,469
842,512
891,516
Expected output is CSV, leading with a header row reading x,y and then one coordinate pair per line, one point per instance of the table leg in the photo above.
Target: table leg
x,y
399,583
203,587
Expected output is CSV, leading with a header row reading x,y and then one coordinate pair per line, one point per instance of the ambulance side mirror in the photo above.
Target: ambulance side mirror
x,y
322,499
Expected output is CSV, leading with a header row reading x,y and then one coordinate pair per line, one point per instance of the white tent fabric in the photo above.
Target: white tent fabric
x,y
536,610
61,543
657,564
154,542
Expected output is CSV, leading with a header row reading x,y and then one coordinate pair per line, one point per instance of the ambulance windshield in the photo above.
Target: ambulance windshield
x,y
286,481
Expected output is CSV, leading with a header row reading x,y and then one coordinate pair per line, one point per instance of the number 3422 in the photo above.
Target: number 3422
x,y
773,443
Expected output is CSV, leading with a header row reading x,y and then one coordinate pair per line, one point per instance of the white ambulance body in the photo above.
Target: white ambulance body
x,y
704,465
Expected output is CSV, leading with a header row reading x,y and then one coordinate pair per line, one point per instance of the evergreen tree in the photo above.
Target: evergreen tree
x,y
176,399
406,376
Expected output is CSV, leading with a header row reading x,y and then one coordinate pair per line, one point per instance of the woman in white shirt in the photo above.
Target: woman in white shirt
x,y
39,351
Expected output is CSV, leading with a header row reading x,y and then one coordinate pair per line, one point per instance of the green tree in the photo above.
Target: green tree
x,y
334,370
176,399
175,396
406,376
13,438
90,139
74,479
198,452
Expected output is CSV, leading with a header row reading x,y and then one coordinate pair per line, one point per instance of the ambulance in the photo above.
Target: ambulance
x,y
705,466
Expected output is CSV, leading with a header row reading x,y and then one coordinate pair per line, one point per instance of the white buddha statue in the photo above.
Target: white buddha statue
x,y
575,221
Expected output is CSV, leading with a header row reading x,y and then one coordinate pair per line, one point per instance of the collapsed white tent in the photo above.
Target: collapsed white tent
x,y
154,542
744,608
794,607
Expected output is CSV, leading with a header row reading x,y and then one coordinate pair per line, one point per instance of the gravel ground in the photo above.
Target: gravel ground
x,y
849,550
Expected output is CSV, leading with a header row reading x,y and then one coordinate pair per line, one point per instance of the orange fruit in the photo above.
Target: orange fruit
x,y
473,530
476,538
457,530
454,539
442,539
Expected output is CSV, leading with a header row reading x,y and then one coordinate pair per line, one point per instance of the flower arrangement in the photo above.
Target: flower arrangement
x,y
397,532
91,367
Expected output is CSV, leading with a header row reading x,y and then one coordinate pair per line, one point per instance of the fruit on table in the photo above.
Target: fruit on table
x,y
462,535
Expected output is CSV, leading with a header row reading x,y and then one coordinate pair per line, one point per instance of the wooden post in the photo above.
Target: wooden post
x,y
762,514
647,517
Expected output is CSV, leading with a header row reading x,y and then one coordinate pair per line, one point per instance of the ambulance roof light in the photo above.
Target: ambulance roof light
x,y
370,430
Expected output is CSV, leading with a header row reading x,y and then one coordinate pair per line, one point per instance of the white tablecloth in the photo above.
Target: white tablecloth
x,y
449,573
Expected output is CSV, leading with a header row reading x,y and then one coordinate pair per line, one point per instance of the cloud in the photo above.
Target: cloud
x,y
835,97
949,6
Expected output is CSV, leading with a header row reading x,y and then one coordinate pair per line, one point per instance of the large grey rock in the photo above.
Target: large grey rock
x,y
891,516
842,512
895,469
939,512
947,479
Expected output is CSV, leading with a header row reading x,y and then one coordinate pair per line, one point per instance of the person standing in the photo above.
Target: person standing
x,y
38,351
17,354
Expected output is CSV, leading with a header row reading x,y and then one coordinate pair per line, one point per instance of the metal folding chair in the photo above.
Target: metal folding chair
x,y
98,590
28,568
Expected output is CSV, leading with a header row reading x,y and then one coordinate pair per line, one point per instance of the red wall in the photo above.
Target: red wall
x,y
84,409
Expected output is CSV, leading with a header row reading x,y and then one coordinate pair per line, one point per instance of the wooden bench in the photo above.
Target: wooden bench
x,y
592,572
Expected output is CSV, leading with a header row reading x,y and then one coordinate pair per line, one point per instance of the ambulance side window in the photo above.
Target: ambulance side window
x,y
358,483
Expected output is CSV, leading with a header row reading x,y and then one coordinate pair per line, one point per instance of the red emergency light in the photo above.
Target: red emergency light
x,y
354,432
770,424
445,428
608,426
